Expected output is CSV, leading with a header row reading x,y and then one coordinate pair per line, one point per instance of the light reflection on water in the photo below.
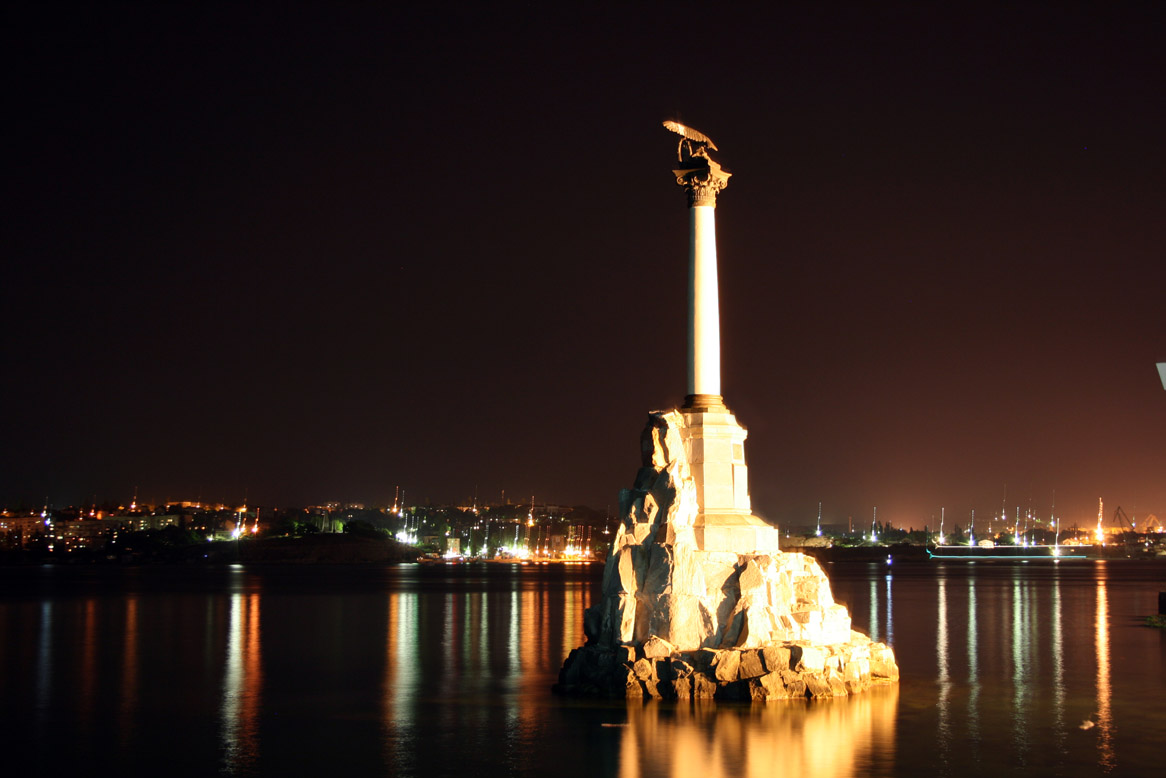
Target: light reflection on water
x,y
1104,693
827,740
242,684
401,678
943,704
890,623
1024,646
1058,666
89,671
1021,660
973,724
129,671
882,627
1007,669
44,662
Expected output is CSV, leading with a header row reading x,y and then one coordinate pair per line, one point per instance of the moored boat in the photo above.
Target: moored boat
x,y
1005,552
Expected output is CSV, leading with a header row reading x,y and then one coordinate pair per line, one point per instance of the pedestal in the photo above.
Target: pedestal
x,y
715,446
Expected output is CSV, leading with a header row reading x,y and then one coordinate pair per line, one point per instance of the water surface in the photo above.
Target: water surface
x,y
410,670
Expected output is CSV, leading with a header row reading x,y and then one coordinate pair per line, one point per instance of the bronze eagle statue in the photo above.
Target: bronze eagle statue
x,y
693,143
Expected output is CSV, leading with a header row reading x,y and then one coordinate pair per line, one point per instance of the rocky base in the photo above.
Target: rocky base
x,y
791,670
721,613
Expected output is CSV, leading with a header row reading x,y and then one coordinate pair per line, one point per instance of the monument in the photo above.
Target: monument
x,y
698,600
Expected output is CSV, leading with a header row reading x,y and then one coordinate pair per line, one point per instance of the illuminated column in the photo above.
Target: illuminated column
x,y
713,440
704,329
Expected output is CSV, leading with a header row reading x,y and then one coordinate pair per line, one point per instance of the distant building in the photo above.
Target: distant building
x,y
82,533
19,530
144,522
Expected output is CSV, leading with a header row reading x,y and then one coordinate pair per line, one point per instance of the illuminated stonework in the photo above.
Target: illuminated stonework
x,y
698,599
715,610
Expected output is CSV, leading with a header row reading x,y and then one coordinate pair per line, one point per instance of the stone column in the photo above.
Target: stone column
x,y
713,440
704,329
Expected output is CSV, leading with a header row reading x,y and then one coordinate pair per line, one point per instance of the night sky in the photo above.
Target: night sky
x,y
297,254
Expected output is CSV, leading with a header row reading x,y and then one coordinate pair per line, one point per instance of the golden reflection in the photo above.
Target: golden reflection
x,y
532,635
539,648
129,671
830,739
390,681
1104,692
402,674
534,650
507,636
573,623
242,684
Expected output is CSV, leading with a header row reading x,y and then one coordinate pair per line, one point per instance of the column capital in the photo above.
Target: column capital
x,y
702,183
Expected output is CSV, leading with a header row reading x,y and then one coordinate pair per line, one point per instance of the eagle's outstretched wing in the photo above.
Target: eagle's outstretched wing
x,y
690,133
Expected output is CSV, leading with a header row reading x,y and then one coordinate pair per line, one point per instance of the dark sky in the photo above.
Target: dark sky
x,y
303,254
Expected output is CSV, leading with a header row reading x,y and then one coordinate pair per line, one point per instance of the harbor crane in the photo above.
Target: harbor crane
x,y
1122,520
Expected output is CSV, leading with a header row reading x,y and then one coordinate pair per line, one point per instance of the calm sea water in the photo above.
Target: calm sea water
x,y
410,670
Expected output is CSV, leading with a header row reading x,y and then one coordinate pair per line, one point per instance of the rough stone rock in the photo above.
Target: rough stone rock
x,y
704,658
592,625
776,658
756,690
703,687
681,622
882,662
750,580
655,689
856,674
812,659
725,666
751,665
734,623
656,647
769,686
817,686
794,683
837,685
622,619
625,576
